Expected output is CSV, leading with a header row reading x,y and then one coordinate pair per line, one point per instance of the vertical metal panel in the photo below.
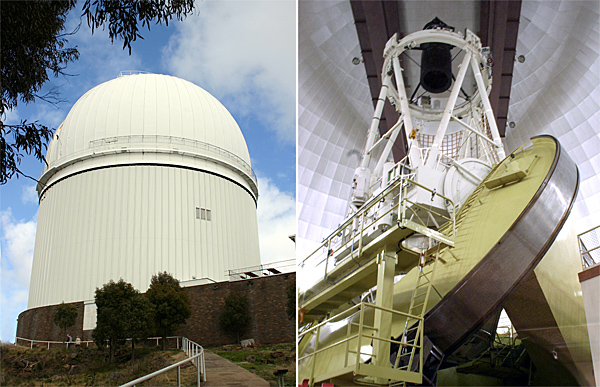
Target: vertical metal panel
x,y
133,221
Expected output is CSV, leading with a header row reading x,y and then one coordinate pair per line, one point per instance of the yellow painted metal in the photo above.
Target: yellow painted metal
x,y
480,223
352,269
418,303
555,285
356,336
512,172
383,320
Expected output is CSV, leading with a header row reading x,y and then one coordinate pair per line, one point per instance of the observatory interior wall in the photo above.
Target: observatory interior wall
x,y
133,221
267,300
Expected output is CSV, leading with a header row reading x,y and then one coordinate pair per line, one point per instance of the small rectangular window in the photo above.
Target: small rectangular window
x,y
208,215
203,214
197,212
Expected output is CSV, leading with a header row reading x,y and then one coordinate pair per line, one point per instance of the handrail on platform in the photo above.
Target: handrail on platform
x,y
589,247
350,238
364,332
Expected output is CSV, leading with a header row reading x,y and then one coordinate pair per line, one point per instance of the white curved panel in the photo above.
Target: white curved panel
x,y
334,112
557,90
147,104
132,222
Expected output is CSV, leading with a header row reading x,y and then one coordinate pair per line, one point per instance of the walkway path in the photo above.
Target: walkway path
x,y
221,373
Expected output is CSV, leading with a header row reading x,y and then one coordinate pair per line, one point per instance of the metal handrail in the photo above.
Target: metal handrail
x,y
50,342
195,354
401,182
87,342
158,140
359,335
348,222
585,250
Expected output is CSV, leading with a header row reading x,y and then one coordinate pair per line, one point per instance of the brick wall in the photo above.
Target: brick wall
x,y
38,324
267,301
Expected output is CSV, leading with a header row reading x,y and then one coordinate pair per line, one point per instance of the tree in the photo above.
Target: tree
x,y
140,320
35,46
236,316
121,310
171,304
65,317
32,47
291,300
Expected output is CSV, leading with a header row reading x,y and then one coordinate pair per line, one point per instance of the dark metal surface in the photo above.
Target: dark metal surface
x,y
376,22
513,258
499,27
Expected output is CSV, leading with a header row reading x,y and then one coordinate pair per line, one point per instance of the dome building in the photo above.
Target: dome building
x,y
147,173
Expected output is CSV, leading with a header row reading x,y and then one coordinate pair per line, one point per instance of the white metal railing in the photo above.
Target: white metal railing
x,y
589,247
48,342
132,72
173,140
357,334
195,354
87,343
163,143
352,236
271,268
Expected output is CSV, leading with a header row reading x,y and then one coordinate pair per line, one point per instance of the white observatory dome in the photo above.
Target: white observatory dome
x,y
147,173
149,112
148,104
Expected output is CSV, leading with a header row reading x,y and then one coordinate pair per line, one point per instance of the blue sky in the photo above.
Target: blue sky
x,y
243,53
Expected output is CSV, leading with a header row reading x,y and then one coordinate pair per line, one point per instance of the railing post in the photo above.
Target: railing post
x,y
203,367
362,229
327,258
178,376
348,332
197,373
314,360
360,329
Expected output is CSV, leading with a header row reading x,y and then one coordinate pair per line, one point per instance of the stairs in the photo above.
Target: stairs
x,y
412,338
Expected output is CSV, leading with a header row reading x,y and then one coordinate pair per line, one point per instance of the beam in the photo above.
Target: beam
x,y
376,21
499,27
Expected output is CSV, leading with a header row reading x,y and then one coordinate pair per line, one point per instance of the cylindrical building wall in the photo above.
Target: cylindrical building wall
x,y
141,181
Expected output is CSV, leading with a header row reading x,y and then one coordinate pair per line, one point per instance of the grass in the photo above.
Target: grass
x,y
22,366
263,360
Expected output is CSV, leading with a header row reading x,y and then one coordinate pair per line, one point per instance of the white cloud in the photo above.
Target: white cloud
x,y
11,116
97,55
29,194
245,53
50,115
276,221
17,241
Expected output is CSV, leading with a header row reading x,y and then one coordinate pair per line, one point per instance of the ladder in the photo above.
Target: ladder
x,y
412,338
